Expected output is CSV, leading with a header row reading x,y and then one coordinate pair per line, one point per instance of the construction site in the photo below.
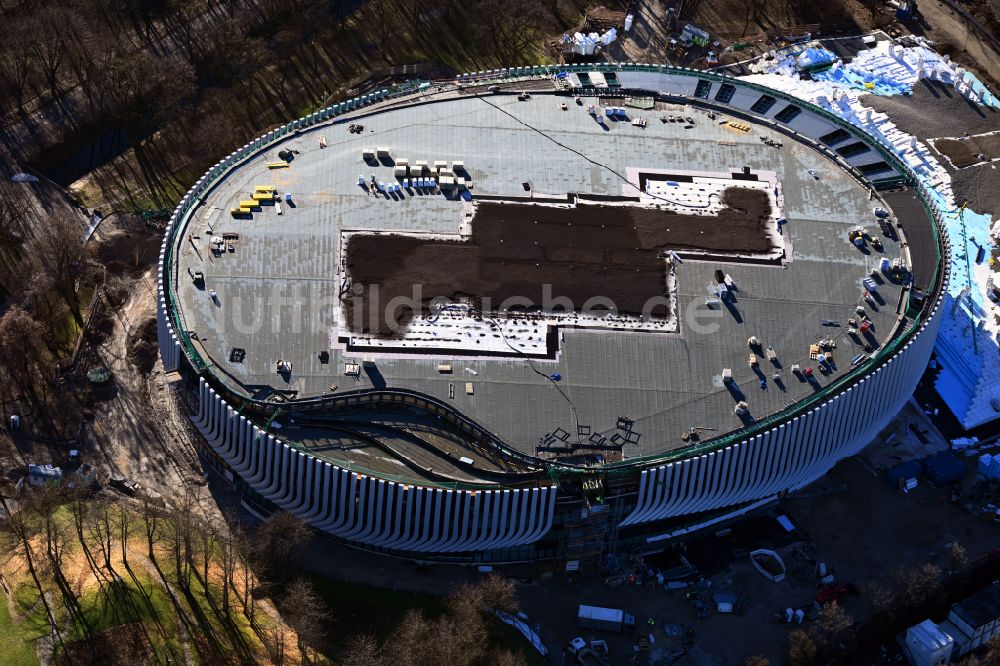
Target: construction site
x,y
606,327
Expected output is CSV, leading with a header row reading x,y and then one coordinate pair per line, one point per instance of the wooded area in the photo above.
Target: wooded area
x,y
187,82
126,582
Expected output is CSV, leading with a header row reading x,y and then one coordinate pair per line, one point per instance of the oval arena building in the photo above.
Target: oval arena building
x,y
545,312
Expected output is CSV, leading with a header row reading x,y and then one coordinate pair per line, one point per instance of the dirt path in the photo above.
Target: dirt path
x,y
141,429
649,38
946,23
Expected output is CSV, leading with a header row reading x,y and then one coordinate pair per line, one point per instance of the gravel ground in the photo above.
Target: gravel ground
x,y
980,186
935,110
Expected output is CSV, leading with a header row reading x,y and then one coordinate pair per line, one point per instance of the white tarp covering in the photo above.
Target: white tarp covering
x,y
968,342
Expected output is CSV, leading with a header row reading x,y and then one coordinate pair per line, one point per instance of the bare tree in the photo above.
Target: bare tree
x,y
957,555
49,310
880,596
206,542
79,509
100,531
304,611
501,657
182,525
380,16
43,502
21,529
991,657
458,637
832,628
15,213
57,252
276,642
51,27
757,660
277,539
151,521
16,61
242,551
364,650
750,9
415,9
22,354
801,649
920,585
123,525
500,29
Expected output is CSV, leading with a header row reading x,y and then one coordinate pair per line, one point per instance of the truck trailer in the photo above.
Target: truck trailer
x,y
605,619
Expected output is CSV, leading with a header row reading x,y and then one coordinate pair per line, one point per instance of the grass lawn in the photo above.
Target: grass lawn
x,y
121,604
127,603
16,640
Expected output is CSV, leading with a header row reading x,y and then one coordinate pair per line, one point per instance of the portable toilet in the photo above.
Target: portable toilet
x,y
903,475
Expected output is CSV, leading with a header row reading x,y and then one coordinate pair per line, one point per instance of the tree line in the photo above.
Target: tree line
x,y
234,590
189,80
200,565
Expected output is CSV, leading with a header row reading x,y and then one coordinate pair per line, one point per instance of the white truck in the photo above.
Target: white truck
x,y
605,619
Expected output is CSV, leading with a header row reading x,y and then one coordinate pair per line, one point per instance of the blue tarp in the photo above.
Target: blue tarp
x,y
813,57
863,81
944,468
